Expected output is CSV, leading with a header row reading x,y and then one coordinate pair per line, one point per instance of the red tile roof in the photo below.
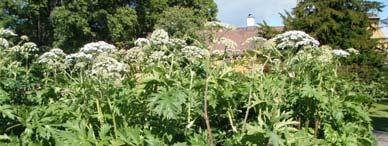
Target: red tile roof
x,y
239,35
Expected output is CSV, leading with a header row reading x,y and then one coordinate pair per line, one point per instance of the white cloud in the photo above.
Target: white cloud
x,y
235,11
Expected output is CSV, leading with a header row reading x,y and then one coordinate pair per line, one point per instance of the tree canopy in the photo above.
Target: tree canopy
x,y
339,23
179,22
68,24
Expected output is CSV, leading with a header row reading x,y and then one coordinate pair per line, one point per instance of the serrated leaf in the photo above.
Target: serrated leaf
x,y
167,103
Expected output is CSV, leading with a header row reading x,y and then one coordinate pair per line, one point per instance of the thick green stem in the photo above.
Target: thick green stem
x,y
113,117
231,122
206,115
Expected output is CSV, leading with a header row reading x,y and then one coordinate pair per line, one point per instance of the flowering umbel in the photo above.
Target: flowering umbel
x,y
159,37
29,47
193,53
295,39
228,43
54,59
97,47
52,56
6,33
135,55
4,43
106,66
340,53
142,42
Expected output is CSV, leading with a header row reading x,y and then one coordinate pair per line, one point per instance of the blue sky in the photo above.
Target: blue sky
x,y
235,11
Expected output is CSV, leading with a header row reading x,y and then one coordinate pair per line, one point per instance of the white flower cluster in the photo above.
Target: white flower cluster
x,y
302,57
6,33
97,47
51,57
193,52
269,47
4,43
157,56
353,51
107,67
142,42
30,47
326,54
216,52
79,57
295,39
135,54
177,42
340,53
255,40
26,47
24,38
89,51
159,37
219,25
228,43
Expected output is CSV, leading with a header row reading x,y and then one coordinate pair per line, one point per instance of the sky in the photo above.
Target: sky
x,y
235,12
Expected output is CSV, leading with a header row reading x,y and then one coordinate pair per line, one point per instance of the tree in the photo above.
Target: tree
x,y
179,21
79,22
267,31
29,18
150,11
202,8
69,24
147,14
339,23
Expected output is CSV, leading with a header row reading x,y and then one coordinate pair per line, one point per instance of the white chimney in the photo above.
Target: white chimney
x,y
251,20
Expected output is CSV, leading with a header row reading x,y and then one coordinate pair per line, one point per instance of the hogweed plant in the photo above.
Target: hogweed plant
x,y
165,91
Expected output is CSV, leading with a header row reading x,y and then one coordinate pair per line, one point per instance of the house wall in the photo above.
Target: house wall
x,y
378,33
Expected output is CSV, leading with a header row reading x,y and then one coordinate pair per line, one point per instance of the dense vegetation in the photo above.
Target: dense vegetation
x,y
110,86
338,23
69,24
167,92
343,24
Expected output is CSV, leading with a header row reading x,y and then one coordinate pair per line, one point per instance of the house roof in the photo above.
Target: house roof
x,y
240,36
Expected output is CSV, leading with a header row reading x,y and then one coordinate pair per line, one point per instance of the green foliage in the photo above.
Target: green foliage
x,y
344,24
267,31
76,23
168,103
179,22
203,8
30,18
153,12
122,26
70,24
167,90
338,23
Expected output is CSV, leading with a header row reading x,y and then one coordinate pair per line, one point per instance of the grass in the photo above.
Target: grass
x,y
379,114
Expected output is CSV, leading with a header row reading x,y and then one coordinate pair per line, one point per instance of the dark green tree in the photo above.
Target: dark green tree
x,y
339,23
29,18
149,11
179,22
267,31
69,24
202,8
78,22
